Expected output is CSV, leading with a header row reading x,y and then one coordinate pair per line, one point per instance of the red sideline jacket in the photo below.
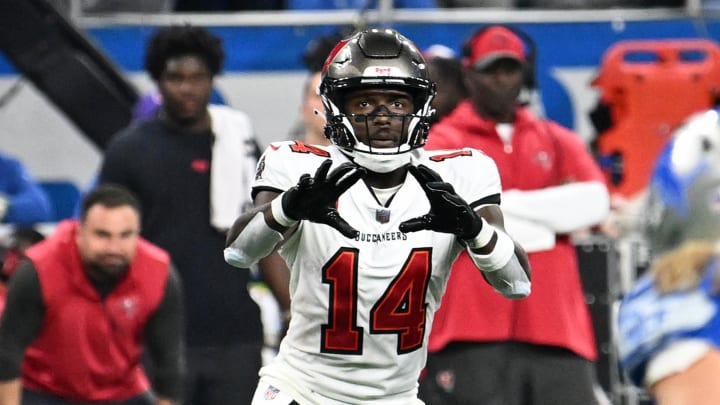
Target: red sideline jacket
x,y
542,154
89,349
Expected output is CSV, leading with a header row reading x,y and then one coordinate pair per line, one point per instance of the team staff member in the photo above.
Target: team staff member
x,y
191,166
501,350
83,306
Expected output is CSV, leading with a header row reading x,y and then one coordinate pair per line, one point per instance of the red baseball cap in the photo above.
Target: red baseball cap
x,y
492,44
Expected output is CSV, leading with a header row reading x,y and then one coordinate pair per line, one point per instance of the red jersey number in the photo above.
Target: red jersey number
x,y
302,147
445,156
400,310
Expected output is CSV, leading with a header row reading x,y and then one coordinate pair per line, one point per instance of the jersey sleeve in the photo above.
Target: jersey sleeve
x,y
282,164
22,319
162,339
472,173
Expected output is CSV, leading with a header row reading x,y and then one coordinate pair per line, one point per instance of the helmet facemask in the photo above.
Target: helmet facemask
x,y
383,59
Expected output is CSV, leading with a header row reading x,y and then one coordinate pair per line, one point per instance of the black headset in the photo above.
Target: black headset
x,y
529,73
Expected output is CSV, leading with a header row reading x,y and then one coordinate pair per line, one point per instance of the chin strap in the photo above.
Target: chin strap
x,y
381,163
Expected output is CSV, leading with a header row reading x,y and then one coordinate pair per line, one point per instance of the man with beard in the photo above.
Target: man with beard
x,y
191,167
82,307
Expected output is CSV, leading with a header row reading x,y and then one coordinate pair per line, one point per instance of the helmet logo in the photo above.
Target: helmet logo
x,y
382,71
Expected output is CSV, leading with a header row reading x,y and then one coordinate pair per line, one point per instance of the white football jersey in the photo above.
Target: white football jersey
x,y
362,308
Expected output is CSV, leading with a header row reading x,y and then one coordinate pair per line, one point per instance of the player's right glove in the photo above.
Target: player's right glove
x,y
313,198
449,213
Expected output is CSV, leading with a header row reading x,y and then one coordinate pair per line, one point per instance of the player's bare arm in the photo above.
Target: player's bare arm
x,y
10,392
165,401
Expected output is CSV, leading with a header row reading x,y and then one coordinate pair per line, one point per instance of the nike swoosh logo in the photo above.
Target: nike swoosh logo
x,y
273,147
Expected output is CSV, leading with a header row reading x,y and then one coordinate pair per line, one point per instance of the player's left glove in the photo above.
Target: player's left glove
x,y
449,213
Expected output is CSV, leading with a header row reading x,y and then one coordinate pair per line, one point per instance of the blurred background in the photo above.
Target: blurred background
x,y
264,70
622,74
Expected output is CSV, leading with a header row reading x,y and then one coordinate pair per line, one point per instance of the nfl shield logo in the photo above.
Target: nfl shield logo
x,y
382,215
445,379
271,392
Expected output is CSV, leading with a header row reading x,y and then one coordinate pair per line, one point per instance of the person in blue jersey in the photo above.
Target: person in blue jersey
x,y
22,200
669,321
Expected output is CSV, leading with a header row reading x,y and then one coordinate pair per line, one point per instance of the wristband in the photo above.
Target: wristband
x,y
483,237
279,214
501,254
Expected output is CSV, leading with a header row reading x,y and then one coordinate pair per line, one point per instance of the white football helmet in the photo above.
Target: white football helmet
x,y
684,192
376,58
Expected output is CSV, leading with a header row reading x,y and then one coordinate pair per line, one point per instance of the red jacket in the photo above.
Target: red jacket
x,y
541,154
89,349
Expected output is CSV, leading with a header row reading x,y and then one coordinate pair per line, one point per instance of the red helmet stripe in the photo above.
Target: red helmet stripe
x,y
332,54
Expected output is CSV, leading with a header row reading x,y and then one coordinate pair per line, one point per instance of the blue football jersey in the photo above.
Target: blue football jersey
x,y
649,321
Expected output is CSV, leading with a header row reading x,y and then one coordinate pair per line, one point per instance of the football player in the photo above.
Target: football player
x,y
669,325
369,231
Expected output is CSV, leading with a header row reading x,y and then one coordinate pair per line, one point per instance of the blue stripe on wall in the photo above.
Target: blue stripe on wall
x,y
280,48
